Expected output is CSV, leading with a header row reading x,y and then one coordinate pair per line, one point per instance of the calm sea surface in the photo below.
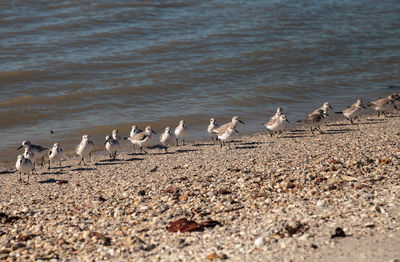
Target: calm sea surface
x,y
80,67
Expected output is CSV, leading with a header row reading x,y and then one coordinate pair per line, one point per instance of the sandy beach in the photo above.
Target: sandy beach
x,y
300,197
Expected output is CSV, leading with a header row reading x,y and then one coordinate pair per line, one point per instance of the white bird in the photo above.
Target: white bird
x,y
181,132
55,154
85,148
38,151
142,139
233,124
135,130
213,125
276,124
167,138
23,165
226,134
352,111
112,146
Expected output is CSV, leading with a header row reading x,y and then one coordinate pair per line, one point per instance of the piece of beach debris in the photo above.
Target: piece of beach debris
x,y
105,240
183,225
4,218
338,233
60,182
212,256
348,178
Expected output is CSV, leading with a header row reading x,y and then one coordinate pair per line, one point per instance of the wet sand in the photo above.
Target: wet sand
x,y
299,197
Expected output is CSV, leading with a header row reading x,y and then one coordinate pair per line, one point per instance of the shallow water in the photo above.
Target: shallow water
x,y
79,67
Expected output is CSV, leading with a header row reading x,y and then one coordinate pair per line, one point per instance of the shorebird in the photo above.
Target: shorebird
x,y
112,146
142,139
234,123
325,108
56,153
167,138
314,120
135,130
383,104
276,124
23,165
226,134
352,111
213,124
181,132
84,148
115,135
38,151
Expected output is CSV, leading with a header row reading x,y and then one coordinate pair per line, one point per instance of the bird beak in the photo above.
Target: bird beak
x,y
241,122
287,121
106,142
330,107
363,106
19,147
236,131
153,132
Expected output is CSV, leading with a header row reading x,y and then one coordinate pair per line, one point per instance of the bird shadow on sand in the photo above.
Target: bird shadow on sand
x,y
204,144
5,172
83,169
251,143
48,181
133,159
53,173
337,131
245,147
339,124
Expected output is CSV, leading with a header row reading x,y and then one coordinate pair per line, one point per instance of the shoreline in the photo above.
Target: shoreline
x,y
279,199
126,146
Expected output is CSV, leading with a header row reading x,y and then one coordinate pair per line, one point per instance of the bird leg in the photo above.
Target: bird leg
x,y
312,131
49,165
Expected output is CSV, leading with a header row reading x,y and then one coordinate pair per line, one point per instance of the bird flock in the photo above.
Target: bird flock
x,y
33,154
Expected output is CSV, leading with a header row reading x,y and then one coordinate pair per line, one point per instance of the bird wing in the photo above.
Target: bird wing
x,y
38,148
138,137
221,129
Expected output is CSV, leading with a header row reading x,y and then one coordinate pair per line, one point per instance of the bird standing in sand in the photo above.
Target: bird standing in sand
x,y
23,165
112,146
56,153
383,104
351,113
38,151
167,138
181,132
142,139
85,148
213,125
276,124
314,120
